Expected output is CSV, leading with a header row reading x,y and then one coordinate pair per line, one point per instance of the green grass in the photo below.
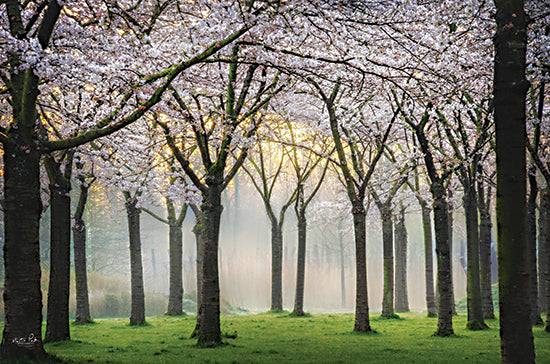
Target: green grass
x,y
276,338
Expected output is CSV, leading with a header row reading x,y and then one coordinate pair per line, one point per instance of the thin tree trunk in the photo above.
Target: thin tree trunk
x,y
276,266
342,268
197,231
450,233
137,314
444,273
211,209
301,264
485,226
473,283
22,336
536,319
387,241
175,298
428,260
81,278
401,294
362,322
510,88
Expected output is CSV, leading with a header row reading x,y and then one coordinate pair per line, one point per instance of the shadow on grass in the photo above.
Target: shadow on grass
x,y
293,314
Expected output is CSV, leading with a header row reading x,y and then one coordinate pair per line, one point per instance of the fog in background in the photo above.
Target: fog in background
x,y
245,262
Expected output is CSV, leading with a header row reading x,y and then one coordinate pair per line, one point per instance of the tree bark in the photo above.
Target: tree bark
x,y
485,225
301,264
22,335
362,322
137,314
473,283
342,268
428,260
80,265
57,328
450,234
536,319
175,298
276,266
442,248
387,242
543,248
211,209
401,294
545,242
510,88
197,231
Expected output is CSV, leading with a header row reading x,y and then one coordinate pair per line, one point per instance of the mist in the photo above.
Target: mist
x,y
245,257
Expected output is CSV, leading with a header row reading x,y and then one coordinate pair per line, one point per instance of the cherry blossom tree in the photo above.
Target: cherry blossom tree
x,y
223,121
305,164
365,148
31,59
510,88
265,174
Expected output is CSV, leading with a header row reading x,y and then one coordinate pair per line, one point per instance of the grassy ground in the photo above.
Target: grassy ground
x,y
276,338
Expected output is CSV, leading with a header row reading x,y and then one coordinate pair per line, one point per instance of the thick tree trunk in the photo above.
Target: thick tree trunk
x,y
209,312
57,328
444,273
485,226
301,264
137,314
536,319
175,299
387,242
473,283
543,248
401,294
22,336
510,88
545,242
276,266
428,260
362,322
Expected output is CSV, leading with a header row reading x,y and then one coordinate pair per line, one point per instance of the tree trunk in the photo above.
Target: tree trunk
x,y
428,260
444,273
276,266
485,226
342,268
362,322
209,312
401,294
175,299
301,264
80,271
137,314
450,234
473,284
536,319
57,328
22,336
545,242
387,242
197,231
543,248
510,88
